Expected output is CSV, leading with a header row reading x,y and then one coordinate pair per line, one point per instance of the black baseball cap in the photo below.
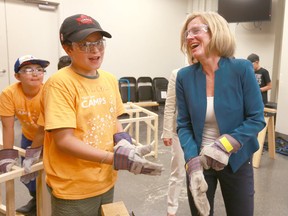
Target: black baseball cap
x,y
77,27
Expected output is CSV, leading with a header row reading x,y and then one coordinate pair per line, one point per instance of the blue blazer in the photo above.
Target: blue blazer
x,y
238,107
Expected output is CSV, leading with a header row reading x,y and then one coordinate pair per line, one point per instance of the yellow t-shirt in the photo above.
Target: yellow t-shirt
x,y
13,102
91,106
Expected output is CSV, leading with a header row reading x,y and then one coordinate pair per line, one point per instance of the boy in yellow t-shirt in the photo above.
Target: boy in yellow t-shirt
x,y
22,100
79,110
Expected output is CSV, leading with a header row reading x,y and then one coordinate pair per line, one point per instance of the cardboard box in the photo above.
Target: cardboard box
x,y
114,209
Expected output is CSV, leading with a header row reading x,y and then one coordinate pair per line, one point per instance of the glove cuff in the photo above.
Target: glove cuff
x,y
193,165
121,135
8,158
33,152
9,154
123,143
228,143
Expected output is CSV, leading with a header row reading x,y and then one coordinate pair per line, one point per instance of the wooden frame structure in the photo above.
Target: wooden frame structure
x,y
9,178
270,126
138,117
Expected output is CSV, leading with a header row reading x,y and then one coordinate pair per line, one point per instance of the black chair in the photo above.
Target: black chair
x,y
127,88
144,89
160,85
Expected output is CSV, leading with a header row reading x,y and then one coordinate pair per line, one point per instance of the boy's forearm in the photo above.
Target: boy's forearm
x,y
39,138
119,126
8,131
8,138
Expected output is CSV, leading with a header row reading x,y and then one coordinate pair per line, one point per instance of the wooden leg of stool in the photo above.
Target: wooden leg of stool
x,y
261,139
271,138
39,193
43,196
10,198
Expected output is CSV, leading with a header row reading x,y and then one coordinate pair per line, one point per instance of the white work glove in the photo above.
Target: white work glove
x,y
130,157
8,158
32,156
216,155
198,185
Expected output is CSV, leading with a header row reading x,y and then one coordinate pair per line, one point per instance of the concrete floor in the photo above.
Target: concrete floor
x,y
146,195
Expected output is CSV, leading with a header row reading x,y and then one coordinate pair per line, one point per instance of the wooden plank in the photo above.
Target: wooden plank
x,y
261,139
137,119
270,110
18,172
114,209
10,198
43,196
39,194
271,138
146,103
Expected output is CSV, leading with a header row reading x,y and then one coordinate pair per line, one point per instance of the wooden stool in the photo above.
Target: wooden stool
x,y
269,119
114,209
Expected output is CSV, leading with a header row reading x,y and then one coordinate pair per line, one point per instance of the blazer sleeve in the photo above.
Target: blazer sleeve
x,y
253,108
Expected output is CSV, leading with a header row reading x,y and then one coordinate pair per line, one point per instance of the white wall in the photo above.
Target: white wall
x,y
282,108
145,33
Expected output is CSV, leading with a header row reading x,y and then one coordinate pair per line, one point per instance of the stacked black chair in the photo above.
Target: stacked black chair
x,y
128,89
160,85
145,90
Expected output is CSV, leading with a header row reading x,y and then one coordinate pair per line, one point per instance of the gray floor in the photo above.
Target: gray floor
x,y
146,195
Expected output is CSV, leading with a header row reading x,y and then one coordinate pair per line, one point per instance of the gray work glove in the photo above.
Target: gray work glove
x,y
32,156
216,155
198,185
130,157
8,158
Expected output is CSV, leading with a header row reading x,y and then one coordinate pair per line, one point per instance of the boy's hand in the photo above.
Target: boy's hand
x,y
129,157
32,156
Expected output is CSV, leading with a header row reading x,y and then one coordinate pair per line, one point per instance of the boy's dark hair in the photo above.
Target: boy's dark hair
x,y
253,57
64,61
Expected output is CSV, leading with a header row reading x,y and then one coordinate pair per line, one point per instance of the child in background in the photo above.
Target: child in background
x,y
22,100
262,77
64,61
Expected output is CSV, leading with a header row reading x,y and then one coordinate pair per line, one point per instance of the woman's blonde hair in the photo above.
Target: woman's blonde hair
x,y
222,40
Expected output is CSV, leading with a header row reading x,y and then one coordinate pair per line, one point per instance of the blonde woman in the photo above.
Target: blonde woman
x,y
220,113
